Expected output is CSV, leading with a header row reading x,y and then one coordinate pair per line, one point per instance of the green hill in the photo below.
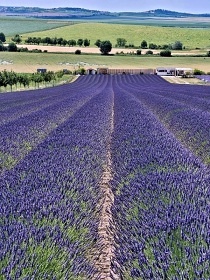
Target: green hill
x,y
134,34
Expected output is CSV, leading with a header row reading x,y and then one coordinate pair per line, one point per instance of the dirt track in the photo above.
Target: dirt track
x,y
72,49
97,50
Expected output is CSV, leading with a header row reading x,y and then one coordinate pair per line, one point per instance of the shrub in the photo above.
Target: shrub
x,y
138,52
22,49
166,53
78,52
149,52
198,72
12,47
2,47
153,46
36,51
177,45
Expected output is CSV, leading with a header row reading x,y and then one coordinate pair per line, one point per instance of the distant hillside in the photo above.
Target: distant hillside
x,y
162,13
52,13
71,13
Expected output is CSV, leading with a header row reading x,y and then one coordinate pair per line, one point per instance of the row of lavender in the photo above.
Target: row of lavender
x,y
161,208
49,199
27,118
185,110
53,150
205,78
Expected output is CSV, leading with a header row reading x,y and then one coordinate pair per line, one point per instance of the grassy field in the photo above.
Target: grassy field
x,y
191,38
166,22
189,22
29,62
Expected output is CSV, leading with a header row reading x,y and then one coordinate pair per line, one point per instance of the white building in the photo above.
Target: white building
x,y
173,71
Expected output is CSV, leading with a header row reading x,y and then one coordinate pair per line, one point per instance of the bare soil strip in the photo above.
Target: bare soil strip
x,y
106,230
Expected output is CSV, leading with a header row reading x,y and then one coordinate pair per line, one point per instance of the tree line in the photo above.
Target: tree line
x,y
120,42
11,78
105,46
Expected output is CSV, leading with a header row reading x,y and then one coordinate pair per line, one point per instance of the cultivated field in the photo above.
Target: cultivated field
x,y
134,34
105,178
29,62
59,58
11,26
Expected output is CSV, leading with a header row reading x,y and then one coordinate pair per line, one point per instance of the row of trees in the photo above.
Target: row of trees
x,y
10,48
54,41
175,46
121,42
11,78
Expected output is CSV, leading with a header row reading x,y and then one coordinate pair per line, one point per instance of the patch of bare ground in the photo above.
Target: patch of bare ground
x,y
105,247
180,80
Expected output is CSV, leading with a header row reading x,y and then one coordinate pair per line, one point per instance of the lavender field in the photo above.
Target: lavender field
x,y
105,178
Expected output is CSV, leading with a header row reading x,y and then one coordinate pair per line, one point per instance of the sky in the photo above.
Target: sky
x,y
191,6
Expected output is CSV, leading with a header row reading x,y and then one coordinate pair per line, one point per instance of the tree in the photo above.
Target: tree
x,y
17,39
29,40
86,43
2,37
12,79
153,46
165,47
48,76
177,45
105,47
37,78
121,42
72,43
138,52
2,47
4,79
80,42
37,40
59,41
144,44
12,47
47,40
98,43
1,80
23,79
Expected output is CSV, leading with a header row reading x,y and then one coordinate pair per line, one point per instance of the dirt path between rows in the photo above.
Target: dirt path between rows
x,y
106,230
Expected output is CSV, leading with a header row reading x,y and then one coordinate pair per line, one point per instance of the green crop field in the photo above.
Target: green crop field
x,y
191,38
29,62
11,26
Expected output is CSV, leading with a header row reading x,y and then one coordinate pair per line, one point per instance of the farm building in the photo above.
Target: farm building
x,y
41,70
183,71
124,71
102,71
173,71
91,71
